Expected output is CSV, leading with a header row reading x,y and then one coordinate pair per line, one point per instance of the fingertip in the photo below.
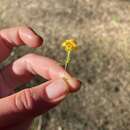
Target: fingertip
x,y
72,81
74,84
37,42
77,85
30,37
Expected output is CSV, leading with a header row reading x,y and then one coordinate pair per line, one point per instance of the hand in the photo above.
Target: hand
x,y
17,110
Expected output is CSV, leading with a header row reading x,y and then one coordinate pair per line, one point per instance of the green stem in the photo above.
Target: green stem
x,y
67,61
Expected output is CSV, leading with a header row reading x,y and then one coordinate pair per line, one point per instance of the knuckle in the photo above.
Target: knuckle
x,y
24,100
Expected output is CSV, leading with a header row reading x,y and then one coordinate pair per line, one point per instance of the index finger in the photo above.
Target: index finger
x,y
15,37
21,71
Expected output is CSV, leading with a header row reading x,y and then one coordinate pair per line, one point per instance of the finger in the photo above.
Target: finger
x,y
31,102
23,69
15,37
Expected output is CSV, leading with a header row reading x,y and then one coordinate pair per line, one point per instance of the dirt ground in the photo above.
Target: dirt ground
x,y
102,63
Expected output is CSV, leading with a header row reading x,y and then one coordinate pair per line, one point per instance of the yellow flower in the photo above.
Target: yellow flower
x,y
69,45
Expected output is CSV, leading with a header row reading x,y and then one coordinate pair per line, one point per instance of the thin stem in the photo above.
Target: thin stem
x,y
67,61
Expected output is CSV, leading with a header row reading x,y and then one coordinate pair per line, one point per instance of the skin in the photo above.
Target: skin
x,y
17,110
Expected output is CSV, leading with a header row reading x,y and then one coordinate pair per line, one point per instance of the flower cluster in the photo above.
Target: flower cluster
x,y
69,45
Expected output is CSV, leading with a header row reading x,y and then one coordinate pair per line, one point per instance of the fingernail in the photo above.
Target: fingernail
x,y
40,38
27,32
57,90
73,82
31,38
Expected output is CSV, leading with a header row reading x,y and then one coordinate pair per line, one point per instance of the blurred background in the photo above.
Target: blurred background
x,y
102,63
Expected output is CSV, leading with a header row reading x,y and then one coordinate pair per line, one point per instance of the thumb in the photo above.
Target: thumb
x,y
31,102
